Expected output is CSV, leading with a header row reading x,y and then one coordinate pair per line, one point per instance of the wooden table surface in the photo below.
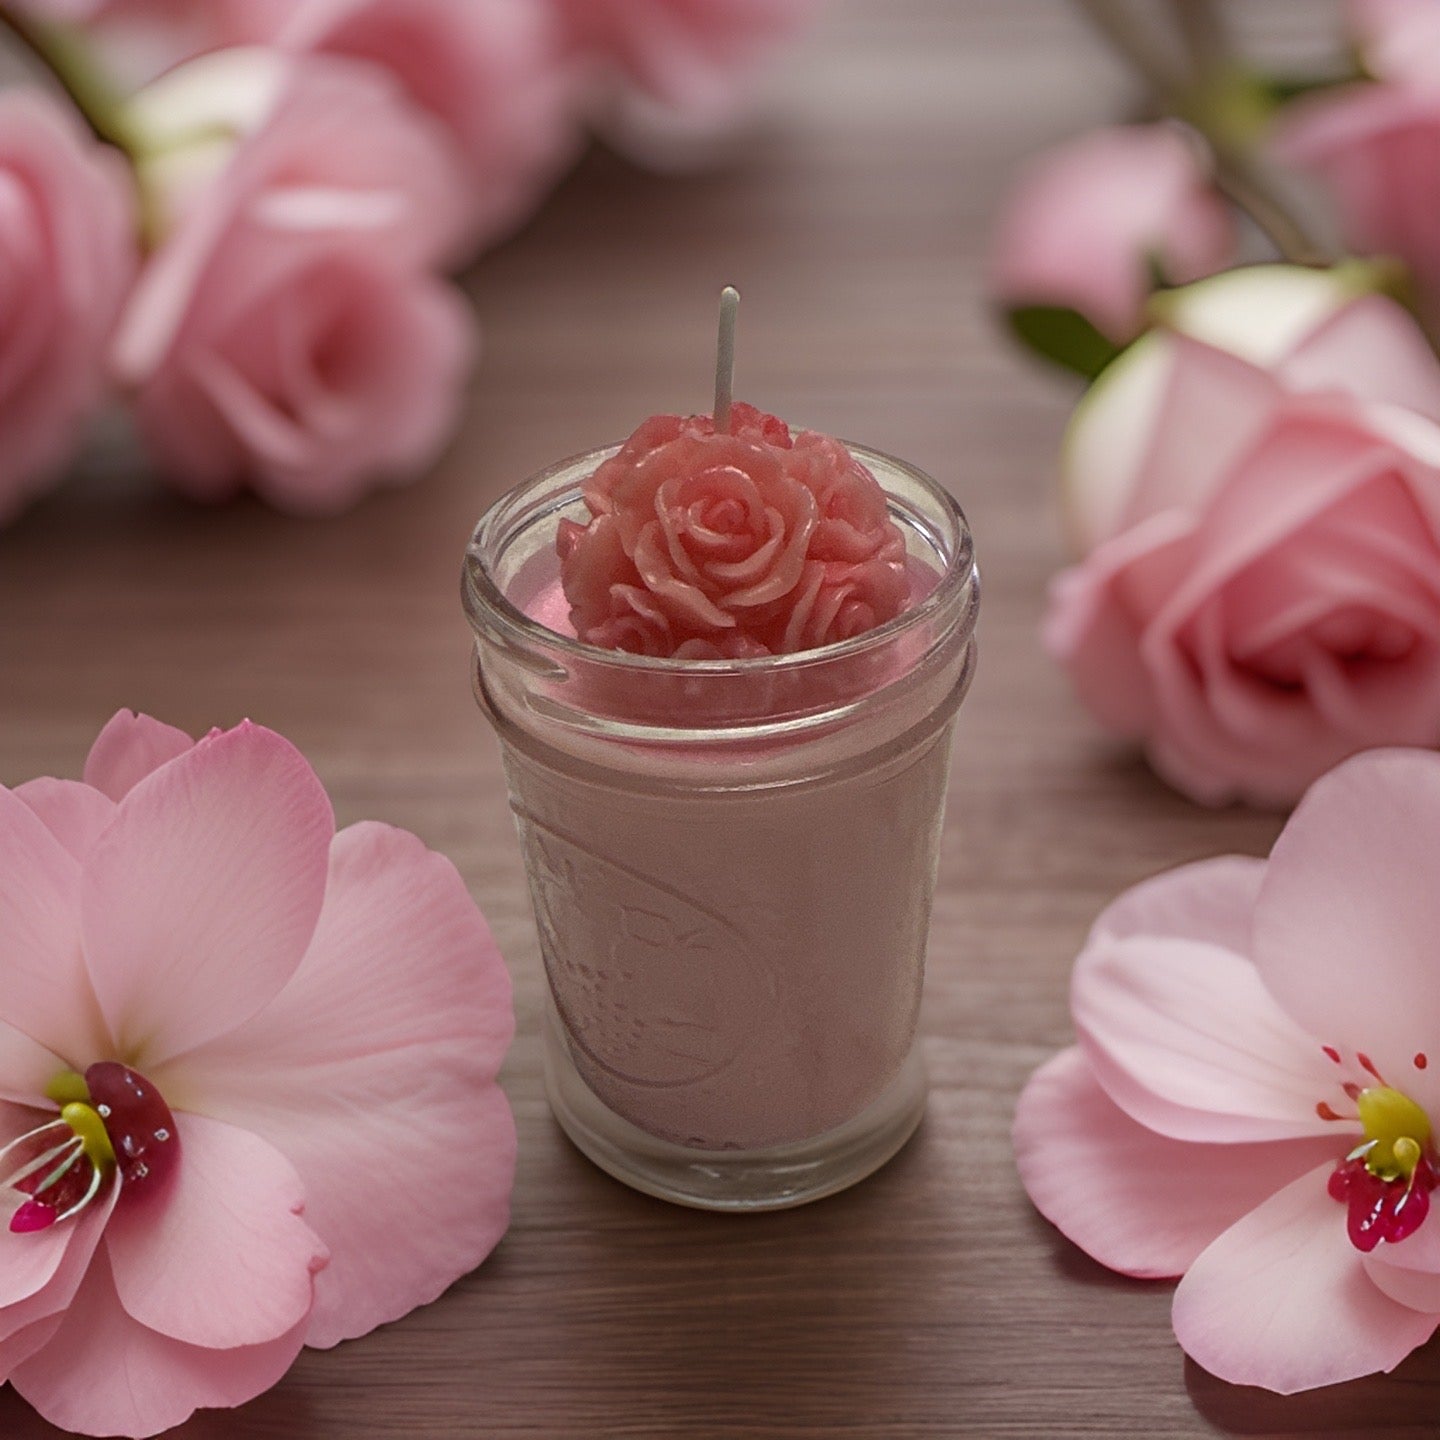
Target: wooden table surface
x,y
931,1300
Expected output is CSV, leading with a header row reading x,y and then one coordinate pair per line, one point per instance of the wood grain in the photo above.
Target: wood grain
x,y
930,1301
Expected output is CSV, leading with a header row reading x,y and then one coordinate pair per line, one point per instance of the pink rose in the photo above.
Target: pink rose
x,y
1374,147
288,333
484,68
68,236
1089,221
710,546
1261,592
690,55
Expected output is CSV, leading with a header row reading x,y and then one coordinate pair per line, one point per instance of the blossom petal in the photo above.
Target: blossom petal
x,y
104,1374
44,989
74,1245
73,812
228,1225
201,896
1184,1037
1409,1273
1282,1299
1211,900
373,1071
1345,925
1134,1200
128,749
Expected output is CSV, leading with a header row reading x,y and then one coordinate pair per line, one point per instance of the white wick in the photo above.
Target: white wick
x,y
725,359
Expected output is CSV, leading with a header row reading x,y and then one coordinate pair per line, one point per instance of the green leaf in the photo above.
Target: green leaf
x,y
1064,336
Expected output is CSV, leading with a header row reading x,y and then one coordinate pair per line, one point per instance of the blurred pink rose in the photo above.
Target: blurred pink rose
x,y
69,245
486,69
1397,37
288,333
1089,219
1261,510
1375,146
691,55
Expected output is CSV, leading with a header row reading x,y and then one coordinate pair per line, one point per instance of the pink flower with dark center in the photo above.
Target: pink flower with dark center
x,y
1253,1098
240,1056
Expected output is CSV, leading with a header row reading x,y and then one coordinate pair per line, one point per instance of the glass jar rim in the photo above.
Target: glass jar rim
x,y
487,604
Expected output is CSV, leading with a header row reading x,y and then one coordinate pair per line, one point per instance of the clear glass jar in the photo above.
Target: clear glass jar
x,y
731,863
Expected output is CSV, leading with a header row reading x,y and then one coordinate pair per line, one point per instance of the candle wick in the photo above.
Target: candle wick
x,y
725,359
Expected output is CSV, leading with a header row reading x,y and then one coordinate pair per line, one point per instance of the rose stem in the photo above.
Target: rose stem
x,y
725,359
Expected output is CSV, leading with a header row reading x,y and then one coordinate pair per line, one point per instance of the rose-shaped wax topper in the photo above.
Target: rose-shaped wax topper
x,y
732,542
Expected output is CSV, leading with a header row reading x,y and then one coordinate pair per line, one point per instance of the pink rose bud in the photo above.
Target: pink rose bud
x,y
1372,145
1254,488
485,69
1092,222
690,55
288,334
68,235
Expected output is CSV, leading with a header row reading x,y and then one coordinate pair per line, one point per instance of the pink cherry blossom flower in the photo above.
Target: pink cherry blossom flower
x,y
1090,221
690,55
289,333
1256,490
276,1049
70,245
1251,1102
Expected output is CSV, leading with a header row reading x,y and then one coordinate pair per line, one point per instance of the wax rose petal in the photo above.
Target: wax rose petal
x,y
745,543
69,246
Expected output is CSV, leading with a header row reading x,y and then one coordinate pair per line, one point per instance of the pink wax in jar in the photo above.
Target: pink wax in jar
x,y
731,845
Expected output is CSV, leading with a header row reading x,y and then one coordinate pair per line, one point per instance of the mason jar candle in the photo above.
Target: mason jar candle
x,y
731,861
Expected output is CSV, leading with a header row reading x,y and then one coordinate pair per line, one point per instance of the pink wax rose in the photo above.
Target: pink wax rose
x,y
289,332
706,545
1373,145
690,55
247,1077
1252,1102
485,69
1256,490
1089,221
69,240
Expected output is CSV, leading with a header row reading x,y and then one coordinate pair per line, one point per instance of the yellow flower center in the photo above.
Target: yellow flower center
x,y
1396,1130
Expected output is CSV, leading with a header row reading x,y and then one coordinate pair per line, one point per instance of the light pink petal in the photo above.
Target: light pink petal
x,y
374,1072
200,898
1132,1199
44,990
1347,921
1409,1273
228,1225
1211,900
72,1246
128,749
1373,349
1185,1038
105,1374
1282,1299
73,812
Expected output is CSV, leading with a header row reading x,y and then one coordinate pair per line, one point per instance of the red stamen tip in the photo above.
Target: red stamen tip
x,y
1332,1052
1325,1112
1366,1063
31,1216
1421,1061
1351,1089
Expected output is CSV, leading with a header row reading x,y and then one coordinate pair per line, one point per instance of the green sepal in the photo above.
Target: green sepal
x,y
1063,336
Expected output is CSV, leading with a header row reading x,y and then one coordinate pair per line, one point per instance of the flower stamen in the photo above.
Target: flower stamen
x,y
1385,1180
